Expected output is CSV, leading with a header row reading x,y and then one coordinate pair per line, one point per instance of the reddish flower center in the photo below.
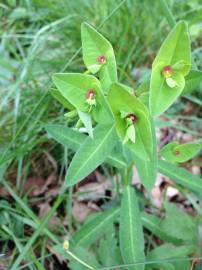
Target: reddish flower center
x,y
101,59
176,153
167,71
132,117
90,94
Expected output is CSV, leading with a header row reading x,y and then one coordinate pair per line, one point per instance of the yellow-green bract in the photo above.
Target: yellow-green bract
x,y
121,100
96,47
74,86
175,152
176,53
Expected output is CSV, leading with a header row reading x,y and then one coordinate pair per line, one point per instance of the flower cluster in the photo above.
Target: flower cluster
x,y
167,73
131,121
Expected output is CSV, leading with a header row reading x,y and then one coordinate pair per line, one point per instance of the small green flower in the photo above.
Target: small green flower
x,y
101,59
167,72
91,97
131,120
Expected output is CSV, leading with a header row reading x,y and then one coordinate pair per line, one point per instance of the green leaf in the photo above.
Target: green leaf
x,y
74,87
181,176
59,97
91,154
109,256
130,133
95,228
166,252
87,121
176,53
122,101
74,139
147,170
66,136
116,159
193,80
175,152
95,45
153,224
131,232
186,228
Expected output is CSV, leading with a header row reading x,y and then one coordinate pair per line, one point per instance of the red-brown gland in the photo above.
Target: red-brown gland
x,y
167,71
101,59
132,117
90,94
176,153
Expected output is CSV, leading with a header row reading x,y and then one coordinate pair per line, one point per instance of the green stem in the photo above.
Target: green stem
x,y
79,260
168,14
128,174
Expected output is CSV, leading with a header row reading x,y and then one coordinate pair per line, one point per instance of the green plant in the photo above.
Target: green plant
x,y
39,38
119,129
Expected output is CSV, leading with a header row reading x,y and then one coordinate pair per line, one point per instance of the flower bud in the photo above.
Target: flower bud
x,y
66,245
132,118
176,153
101,59
167,71
90,97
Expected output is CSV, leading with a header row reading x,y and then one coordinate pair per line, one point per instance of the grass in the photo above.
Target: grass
x,y
39,38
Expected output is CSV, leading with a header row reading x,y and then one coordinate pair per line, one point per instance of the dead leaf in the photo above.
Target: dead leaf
x,y
94,190
171,192
80,211
44,208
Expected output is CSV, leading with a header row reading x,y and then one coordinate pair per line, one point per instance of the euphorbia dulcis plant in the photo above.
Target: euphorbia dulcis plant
x,y
111,113
169,69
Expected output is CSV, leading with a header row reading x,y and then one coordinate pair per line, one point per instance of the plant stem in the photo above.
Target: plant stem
x,y
128,174
168,14
79,260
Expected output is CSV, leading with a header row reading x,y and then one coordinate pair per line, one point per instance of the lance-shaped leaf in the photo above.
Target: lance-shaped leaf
x,y
175,152
167,252
180,176
175,53
59,97
91,154
147,169
74,139
112,256
152,223
93,229
193,80
75,87
98,55
131,232
122,101
186,228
